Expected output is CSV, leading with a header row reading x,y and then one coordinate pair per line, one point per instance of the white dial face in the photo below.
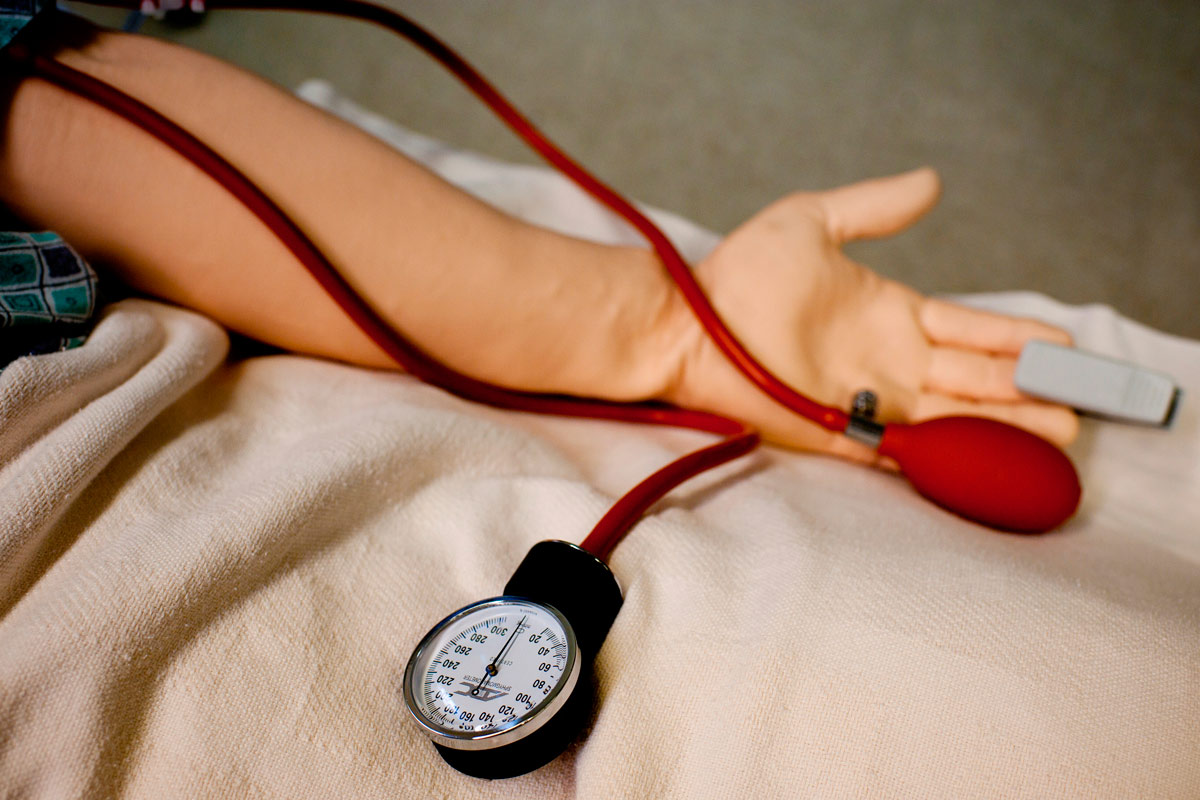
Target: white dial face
x,y
490,668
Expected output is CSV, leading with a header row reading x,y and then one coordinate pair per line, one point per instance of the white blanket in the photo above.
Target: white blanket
x,y
212,573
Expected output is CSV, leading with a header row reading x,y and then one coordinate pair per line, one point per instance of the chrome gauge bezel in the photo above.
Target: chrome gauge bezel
x,y
523,726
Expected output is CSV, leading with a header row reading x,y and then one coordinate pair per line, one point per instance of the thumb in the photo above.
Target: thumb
x,y
879,207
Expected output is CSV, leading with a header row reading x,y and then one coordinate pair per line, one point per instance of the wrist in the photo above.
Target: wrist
x,y
668,334
616,325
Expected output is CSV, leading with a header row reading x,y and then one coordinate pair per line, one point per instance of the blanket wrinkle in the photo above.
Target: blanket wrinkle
x,y
31,398
114,401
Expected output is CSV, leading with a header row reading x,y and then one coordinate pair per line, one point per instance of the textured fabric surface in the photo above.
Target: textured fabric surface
x,y
217,595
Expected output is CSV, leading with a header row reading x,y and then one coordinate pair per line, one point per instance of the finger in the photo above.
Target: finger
x,y
955,325
971,374
879,207
851,450
1055,423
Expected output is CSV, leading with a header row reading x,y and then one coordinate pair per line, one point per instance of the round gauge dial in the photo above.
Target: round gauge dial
x,y
491,673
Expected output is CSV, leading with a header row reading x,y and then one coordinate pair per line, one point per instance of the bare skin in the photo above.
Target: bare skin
x,y
485,293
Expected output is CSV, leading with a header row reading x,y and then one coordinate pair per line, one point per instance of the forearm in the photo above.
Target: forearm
x,y
478,290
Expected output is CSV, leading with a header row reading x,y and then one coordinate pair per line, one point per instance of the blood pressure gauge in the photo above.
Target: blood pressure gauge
x,y
492,675
503,685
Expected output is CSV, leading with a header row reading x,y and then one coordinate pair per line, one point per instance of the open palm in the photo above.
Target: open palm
x,y
830,327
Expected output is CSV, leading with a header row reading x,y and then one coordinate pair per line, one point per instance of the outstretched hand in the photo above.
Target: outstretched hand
x,y
830,327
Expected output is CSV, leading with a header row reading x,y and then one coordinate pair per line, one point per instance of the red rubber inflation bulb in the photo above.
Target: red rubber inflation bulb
x,y
986,471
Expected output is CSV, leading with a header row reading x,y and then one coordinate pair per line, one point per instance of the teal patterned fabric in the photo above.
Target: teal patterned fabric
x,y
47,295
43,280
15,15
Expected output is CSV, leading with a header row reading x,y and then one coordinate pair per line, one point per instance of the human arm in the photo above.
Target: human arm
x,y
488,295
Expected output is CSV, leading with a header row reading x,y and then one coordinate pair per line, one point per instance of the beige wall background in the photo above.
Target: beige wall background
x,y
1068,133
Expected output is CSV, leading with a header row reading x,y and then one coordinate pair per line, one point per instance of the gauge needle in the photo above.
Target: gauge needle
x,y
491,668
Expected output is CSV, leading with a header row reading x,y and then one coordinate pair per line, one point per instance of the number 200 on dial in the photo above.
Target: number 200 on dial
x,y
491,673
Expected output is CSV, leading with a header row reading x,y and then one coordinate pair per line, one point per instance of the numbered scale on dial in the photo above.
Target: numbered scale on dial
x,y
492,672
504,685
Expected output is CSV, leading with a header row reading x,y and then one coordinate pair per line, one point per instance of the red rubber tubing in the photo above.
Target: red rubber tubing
x,y
1032,505
739,440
